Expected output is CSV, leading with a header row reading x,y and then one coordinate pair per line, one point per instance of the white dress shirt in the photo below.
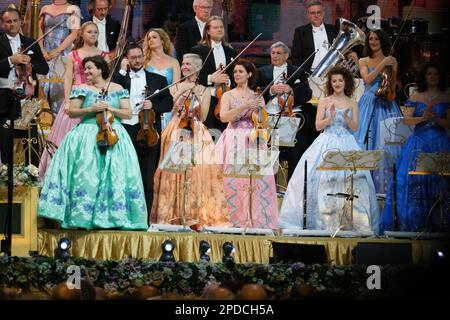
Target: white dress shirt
x,y
201,26
277,71
101,24
137,93
321,43
219,58
14,42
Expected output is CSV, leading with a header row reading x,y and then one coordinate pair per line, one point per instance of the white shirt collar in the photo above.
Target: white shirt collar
x,y
319,28
282,67
96,20
217,45
136,74
15,38
200,22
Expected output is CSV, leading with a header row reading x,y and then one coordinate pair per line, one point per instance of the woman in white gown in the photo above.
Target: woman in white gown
x,y
337,116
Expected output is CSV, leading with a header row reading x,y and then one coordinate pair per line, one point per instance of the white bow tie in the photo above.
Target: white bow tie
x,y
217,45
315,29
281,68
99,21
134,75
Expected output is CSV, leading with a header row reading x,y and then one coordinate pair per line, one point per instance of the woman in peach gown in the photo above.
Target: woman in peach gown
x,y
197,198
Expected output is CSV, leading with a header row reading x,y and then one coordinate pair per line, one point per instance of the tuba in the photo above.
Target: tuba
x,y
349,36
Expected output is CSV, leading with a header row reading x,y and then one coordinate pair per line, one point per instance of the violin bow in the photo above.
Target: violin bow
x,y
43,36
240,53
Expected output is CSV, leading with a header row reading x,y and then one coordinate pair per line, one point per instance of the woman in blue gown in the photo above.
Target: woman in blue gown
x,y
429,110
337,116
373,110
91,187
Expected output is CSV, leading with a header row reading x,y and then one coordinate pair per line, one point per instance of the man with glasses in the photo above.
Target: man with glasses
x,y
134,78
190,32
315,35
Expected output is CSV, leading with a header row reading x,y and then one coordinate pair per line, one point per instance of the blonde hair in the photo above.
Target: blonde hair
x,y
167,45
206,38
79,41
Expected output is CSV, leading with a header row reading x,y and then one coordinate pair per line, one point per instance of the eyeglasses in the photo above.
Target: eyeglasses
x,y
315,13
205,8
136,58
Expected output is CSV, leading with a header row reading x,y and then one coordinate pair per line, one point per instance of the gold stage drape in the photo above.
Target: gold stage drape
x,y
117,245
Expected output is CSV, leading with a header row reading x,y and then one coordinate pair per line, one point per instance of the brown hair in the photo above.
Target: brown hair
x,y
79,41
206,38
348,78
249,67
167,45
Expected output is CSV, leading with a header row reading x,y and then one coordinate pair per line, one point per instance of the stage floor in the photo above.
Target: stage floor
x,y
116,245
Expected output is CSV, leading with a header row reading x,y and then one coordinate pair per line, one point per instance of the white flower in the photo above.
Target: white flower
x,y
33,170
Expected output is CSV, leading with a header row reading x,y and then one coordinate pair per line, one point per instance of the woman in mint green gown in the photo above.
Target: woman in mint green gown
x,y
91,187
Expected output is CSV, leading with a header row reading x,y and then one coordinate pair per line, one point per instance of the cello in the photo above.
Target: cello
x,y
147,135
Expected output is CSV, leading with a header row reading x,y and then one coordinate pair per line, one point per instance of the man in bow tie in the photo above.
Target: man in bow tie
x,y
108,28
133,77
299,87
11,44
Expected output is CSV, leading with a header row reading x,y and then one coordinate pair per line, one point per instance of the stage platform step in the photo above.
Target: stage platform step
x,y
116,245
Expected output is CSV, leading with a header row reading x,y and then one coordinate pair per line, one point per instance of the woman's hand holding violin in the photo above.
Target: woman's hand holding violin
x,y
100,107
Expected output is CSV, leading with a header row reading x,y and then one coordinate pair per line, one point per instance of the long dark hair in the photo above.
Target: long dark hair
x,y
385,43
421,82
348,78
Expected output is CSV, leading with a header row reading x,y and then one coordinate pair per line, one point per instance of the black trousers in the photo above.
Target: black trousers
x,y
211,122
305,137
148,161
10,109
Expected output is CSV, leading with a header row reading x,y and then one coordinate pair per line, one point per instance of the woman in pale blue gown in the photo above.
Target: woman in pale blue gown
x,y
158,58
373,110
56,46
417,207
337,116
92,187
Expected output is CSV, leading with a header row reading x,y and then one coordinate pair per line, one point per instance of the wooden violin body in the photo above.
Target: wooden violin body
x,y
386,90
191,111
147,135
221,89
286,103
24,85
260,120
106,136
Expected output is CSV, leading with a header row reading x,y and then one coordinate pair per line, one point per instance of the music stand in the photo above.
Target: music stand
x,y
438,164
352,161
250,165
180,159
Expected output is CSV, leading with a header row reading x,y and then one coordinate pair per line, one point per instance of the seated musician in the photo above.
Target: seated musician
x,y
299,87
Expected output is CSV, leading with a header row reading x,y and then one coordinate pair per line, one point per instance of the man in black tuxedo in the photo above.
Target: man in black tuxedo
x,y
108,28
10,43
298,85
135,80
210,75
312,36
190,32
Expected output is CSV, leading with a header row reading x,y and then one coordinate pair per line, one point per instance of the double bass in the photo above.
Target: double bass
x,y
147,135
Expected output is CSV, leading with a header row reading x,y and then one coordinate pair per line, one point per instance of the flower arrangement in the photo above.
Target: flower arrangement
x,y
22,175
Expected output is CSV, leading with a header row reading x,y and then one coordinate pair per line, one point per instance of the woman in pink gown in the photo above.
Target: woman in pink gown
x,y
235,146
85,45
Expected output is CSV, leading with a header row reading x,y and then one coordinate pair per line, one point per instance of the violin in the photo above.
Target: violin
x,y
260,120
286,100
24,85
106,135
191,111
221,89
147,135
387,87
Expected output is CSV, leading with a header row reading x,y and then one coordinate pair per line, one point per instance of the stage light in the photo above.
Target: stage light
x,y
440,254
205,250
228,251
167,248
63,250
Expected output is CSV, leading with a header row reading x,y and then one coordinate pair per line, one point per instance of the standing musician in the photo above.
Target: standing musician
x,y
211,75
190,32
11,43
108,28
314,35
299,87
135,81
